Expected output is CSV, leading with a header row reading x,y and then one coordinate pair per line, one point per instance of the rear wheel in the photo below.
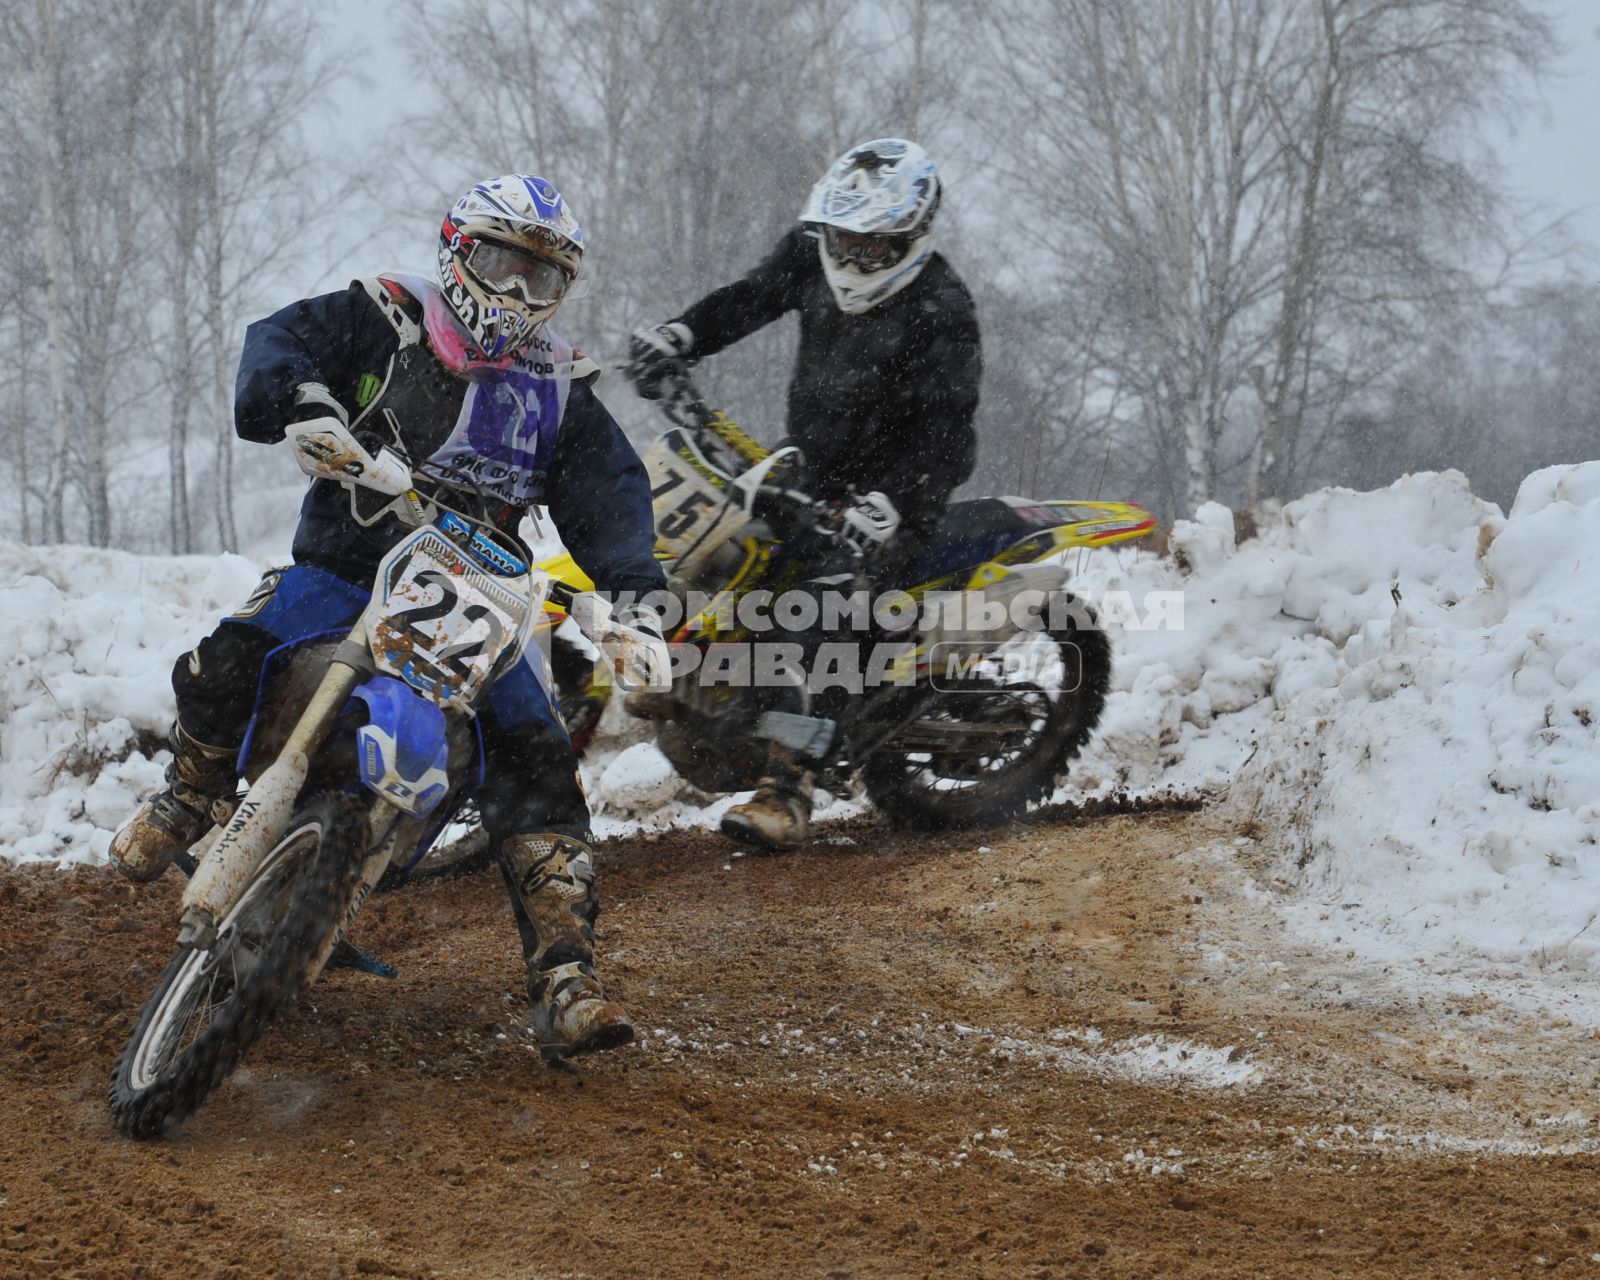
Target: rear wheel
x,y
991,744
212,1004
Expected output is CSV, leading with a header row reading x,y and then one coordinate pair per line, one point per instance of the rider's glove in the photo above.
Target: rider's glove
x,y
653,354
634,646
867,523
318,432
630,640
313,400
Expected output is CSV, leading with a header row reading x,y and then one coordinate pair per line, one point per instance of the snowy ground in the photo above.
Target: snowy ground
x,y
1397,694
1393,693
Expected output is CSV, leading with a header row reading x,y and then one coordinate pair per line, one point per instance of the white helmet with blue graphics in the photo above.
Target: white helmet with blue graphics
x,y
508,251
872,213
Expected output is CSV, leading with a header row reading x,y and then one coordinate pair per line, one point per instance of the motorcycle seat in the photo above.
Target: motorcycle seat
x,y
974,531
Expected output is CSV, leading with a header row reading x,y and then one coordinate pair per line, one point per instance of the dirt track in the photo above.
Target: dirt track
x,y
883,1056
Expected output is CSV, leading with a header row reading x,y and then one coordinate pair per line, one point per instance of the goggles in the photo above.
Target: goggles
x,y
516,272
862,251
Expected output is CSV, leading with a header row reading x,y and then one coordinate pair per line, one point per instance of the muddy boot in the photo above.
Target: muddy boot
x,y
651,704
551,878
200,779
778,816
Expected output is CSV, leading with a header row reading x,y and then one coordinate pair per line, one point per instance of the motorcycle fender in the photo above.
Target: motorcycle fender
x,y
255,827
1006,580
403,749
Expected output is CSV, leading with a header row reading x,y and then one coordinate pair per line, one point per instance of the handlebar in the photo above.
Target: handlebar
x,y
680,400
365,463
683,406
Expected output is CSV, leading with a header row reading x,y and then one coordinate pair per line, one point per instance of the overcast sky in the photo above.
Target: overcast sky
x,y
1552,158
1555,156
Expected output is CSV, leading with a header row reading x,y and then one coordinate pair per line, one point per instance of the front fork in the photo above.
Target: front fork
x,y
377,862
266,808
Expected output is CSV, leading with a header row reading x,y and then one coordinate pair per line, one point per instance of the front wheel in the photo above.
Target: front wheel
x,y
995,740
211,1005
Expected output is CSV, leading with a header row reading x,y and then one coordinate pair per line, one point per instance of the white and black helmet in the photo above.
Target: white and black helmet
x,y
508,251
872,213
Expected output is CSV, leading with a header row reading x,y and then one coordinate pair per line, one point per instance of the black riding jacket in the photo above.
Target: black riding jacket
x,y
882,400
364,344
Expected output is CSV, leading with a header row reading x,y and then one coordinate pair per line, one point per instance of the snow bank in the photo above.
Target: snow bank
x,y
1268,621
1398,691
89,639
1434,794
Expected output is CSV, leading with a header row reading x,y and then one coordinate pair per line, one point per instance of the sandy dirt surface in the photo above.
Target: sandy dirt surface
x,y
1074,1048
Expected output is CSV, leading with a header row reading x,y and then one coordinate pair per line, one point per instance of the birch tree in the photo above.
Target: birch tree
x,y
36,121
686,133
1495,396
1264,196
231,184
72,109
1388,190
669,124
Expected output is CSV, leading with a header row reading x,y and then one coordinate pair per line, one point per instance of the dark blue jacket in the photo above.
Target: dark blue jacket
x,y
361,344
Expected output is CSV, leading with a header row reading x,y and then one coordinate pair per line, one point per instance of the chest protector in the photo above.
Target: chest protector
x,y
492,430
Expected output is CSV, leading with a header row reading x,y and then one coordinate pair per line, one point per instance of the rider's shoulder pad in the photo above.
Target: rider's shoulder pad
x,y
585,368
399,308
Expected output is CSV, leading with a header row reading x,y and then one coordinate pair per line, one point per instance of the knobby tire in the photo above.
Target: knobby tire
x,y
891,778
323,877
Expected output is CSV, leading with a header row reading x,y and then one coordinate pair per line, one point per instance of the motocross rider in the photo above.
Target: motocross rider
x,y
881,403
463,375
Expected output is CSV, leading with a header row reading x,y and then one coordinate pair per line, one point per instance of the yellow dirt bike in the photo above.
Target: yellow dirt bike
x,y
979,679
